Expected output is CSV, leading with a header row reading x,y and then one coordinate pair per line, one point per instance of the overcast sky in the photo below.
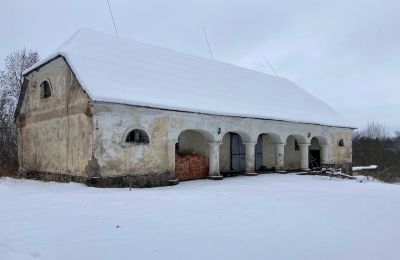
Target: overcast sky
x,y
346,53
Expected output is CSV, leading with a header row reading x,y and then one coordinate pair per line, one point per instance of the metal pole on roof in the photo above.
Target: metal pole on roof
x,y
112,18
272,68
208,43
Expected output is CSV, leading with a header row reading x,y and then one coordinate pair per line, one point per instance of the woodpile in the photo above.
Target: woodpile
x,y
190,167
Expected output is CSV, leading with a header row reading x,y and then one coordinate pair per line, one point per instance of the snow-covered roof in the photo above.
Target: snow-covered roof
x,y
114,69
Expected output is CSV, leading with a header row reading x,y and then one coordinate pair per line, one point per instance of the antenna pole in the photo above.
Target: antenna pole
x,y
208,43
272,68
112,18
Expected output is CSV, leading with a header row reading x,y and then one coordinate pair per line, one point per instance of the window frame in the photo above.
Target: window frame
x,y
140,137
43,95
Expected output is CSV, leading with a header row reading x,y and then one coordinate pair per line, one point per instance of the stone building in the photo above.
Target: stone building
x,y
103,107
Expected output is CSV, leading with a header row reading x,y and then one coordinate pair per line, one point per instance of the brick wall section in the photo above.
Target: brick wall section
x,y
190,167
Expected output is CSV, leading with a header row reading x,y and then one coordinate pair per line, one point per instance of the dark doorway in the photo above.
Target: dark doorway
x,y
259,154
238,158
315,159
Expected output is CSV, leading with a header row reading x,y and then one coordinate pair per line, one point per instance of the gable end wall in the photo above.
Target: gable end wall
x,y
54,134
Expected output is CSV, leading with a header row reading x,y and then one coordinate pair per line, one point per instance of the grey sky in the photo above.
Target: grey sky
x,y
346,53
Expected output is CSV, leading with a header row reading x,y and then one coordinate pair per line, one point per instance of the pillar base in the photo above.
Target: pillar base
x,y
215,177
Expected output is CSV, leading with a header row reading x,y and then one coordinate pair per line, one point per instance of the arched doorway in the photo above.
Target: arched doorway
x,y
317,152
191,155
265,151
314,156
232,153
293,156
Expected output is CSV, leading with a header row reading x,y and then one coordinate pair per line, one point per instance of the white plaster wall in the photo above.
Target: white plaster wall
x,y
225,153
113,122
292,157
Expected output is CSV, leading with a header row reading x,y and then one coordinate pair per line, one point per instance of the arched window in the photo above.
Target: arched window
x,y
45,89
341,143
137,136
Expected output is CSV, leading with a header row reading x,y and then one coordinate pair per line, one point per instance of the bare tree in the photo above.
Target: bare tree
x,y
375,130
11,80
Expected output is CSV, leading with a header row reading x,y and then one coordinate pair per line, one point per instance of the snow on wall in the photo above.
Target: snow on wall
x,y
115,69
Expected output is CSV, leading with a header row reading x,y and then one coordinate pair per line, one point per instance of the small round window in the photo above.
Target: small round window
x,y
341,143
45,89
137,136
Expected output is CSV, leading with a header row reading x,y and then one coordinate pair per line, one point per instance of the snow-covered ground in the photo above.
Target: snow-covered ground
x,y
263,217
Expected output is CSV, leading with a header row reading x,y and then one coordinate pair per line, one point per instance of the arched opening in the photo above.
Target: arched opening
x,y
191,155
265,152
137,136
314,156
292,160
317,152
45,89
232,154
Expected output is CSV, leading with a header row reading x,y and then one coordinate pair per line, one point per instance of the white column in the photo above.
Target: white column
x,y
304,156
171,155
213,159
324,153
250,156
279,156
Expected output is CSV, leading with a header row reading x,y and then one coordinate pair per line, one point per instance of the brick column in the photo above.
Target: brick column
x,y
280,156
213,160
304,156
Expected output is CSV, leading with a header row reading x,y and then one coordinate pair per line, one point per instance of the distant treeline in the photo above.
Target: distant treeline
x,y
373,145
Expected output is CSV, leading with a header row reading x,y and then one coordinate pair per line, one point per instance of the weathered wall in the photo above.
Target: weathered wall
x,y
341,155
114,121
292,156
54,133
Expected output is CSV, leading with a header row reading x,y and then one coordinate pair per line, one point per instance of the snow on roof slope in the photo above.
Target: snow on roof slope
x,y
115,69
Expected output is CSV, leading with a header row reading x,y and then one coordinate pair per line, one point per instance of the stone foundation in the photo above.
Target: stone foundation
x,y
134,181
